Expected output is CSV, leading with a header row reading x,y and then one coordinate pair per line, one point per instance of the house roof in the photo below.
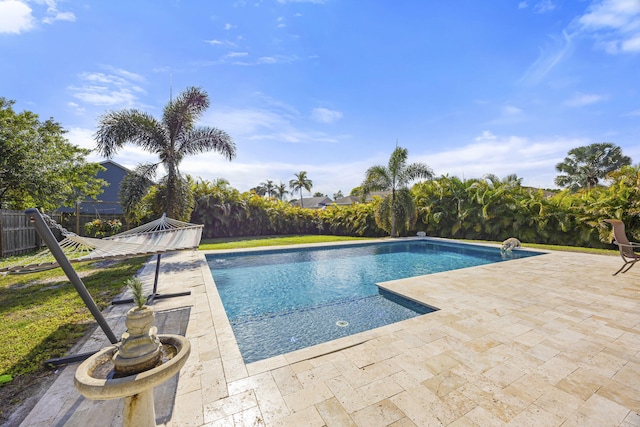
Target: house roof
x,y
312,202
348,200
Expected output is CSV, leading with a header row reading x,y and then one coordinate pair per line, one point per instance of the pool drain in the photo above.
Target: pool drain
x,y
342,323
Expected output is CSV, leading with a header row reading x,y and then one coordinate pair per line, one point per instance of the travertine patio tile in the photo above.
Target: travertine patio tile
x,y
556,368
188,409
212,381
582,383
334,414
234,369
483,343
252,417
368,374
379,414
604,410
505,373
416,408
621,394
439,363
229,406
379,390
454,406
308,417
606,364
528,388
403,422
444,383
410,364
543,351
463,422
317,374
271,402
481,417
348,397
502,405
629,374
558,402
309,396
530,338
632,420
533,416
286,380
301,366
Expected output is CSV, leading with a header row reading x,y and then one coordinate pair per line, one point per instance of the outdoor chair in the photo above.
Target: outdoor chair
x,y
629,256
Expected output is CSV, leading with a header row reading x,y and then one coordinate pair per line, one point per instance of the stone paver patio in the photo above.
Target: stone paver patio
x,y
551,340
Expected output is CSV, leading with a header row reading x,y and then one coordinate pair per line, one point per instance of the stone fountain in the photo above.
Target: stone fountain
x,y
132,368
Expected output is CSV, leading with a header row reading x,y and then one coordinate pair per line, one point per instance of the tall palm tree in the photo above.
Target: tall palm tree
x,y
269,187
395,177
172,138
301,181
280,191
586,166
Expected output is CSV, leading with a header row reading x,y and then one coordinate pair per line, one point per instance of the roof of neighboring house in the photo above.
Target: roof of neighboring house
x,y
312,202
348,200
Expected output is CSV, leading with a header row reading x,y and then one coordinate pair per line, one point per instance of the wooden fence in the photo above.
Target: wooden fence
x,y
17,234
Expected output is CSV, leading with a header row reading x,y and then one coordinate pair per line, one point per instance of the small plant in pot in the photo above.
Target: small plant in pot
x,y
140,318
140,347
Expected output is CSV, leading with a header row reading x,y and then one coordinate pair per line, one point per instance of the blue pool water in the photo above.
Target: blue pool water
x,y
282,300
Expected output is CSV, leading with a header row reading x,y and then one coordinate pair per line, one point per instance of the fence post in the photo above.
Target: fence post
x,y
1,233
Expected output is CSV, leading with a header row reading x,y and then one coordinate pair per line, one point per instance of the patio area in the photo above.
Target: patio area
x,y
550,340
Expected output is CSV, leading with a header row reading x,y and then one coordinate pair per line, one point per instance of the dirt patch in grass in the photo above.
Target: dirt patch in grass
x,y
20,396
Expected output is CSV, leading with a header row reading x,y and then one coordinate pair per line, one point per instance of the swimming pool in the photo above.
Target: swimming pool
x,y
282,300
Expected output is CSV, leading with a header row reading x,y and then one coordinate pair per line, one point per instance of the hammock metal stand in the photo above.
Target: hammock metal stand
x,y
154,295
160,236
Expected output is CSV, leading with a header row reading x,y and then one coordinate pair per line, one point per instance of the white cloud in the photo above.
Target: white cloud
x,y
59,16
324,115
548,59
236,54
15,17
581,100
229,26
267,125
117,88
510,110
615,24
544,6
532,159
631,44
523,5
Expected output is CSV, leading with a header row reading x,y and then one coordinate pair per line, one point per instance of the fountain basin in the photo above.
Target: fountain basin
x,y
98,388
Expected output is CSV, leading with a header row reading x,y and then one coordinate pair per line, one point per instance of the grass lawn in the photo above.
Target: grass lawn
x,y
43,315
253,242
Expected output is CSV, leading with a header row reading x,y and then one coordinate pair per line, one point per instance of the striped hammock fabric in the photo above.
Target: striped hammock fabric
x,y
156,237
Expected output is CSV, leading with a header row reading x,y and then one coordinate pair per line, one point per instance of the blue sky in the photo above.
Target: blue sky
x,y
329,86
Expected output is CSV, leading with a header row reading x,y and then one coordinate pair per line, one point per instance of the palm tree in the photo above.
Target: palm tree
x,y
269,187
280,191
301,181
395,178
172,138
586,166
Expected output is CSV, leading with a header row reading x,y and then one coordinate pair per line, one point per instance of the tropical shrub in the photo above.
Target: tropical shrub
x,y
102,228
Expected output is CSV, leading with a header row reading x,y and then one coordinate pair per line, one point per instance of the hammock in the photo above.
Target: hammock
x,y
156,237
